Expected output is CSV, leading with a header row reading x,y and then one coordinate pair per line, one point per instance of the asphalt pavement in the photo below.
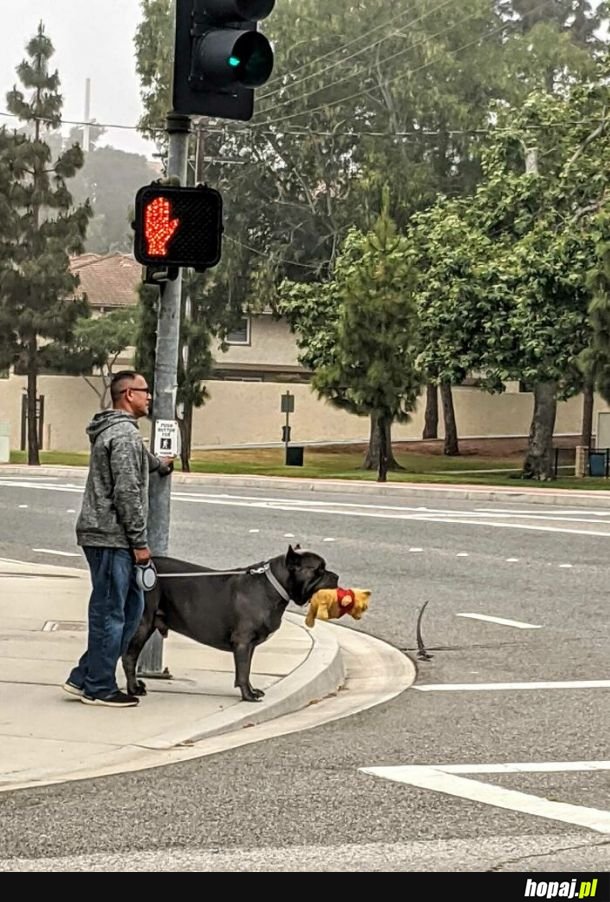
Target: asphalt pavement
x,y
495,758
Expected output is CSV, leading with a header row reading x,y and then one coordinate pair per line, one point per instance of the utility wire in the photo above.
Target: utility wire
x,y
398,77
253,250
325,56
301,132
104,125
361,71
366,49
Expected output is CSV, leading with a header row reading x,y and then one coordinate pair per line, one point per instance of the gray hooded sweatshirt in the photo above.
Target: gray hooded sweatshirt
x,y
115,504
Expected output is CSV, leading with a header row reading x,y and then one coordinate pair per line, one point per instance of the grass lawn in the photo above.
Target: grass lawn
x,y
337,462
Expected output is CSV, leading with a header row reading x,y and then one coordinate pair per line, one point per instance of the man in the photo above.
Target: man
x,y
112,530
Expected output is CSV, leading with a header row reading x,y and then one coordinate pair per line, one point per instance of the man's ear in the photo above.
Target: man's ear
x,y
293,559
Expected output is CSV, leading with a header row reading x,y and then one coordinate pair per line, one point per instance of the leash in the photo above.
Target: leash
x,y
198,573
253,571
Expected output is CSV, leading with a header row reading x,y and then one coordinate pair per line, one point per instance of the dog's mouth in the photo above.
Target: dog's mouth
x,y
328,580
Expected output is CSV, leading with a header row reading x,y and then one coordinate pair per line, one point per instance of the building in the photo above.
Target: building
x,y
247,384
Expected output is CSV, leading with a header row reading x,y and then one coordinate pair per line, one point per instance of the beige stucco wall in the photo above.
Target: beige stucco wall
x,y
242,413
249,413
271,342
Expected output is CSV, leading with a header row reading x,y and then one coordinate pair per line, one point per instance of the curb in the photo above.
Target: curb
x,y
321,674
425,491
377,673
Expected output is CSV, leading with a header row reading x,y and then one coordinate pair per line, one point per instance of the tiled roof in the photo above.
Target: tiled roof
x,y
108,281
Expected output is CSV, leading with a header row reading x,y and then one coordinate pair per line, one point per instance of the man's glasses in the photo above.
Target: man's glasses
x,y
147,390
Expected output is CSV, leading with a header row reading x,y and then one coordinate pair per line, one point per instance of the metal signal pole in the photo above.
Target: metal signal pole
x,y
150,662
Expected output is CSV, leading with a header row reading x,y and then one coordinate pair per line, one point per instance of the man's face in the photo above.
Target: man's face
x,y
137,395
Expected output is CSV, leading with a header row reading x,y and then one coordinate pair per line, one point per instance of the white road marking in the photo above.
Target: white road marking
x,y
70,510
328,540
558,512
565,566
512,560
512,687
23,506
516,623
52,551
466,518
416,550
529,767
41,485
441,778
462,554
289,535
254,530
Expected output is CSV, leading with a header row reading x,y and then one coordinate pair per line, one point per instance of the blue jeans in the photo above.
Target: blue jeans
x,y
115,610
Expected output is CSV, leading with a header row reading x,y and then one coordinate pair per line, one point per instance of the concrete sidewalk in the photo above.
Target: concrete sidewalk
x,y
48,736
522,492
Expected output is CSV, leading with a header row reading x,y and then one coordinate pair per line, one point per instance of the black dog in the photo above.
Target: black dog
x,y
233,612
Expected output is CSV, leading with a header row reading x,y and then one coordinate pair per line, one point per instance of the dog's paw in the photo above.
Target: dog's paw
x,y
252,695
140,688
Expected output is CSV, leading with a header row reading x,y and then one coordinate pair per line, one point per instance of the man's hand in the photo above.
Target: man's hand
x,y
141,555
166,466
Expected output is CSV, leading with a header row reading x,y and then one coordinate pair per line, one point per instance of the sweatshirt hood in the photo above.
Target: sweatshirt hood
x,y
107,418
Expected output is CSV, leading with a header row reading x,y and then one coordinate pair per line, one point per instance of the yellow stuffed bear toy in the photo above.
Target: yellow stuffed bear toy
x,y
330,604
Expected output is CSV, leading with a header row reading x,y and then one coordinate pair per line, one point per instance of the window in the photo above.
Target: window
x,y
241,334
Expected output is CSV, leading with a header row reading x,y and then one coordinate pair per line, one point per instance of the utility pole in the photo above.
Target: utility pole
x,y
87,126
191,312
150,662
220,58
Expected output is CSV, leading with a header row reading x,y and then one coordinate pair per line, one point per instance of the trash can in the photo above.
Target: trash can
x,y
294,456
5,443
598,462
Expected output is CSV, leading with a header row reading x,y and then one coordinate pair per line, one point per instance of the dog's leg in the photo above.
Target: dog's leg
x,y
130,658
242,653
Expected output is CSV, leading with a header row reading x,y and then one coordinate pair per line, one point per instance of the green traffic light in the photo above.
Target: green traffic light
x,y
234,62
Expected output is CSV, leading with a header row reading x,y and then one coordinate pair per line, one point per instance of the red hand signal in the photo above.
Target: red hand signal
x,y
159,227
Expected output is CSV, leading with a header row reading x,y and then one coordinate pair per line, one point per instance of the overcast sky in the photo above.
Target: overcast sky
x,y
93,39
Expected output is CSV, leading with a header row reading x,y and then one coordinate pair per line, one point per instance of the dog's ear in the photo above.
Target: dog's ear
x,y
293,558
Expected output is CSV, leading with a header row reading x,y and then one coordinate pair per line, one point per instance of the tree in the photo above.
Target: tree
x,y
154,43
595,360
460,306
37,288
374,368
545,175
97,344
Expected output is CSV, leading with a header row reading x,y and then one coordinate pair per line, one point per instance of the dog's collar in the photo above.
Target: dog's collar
x,y
266,569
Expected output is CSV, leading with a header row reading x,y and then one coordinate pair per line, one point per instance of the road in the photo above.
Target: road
x,y
517,630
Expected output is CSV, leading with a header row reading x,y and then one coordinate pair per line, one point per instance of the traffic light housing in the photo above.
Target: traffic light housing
x,y
178,227
220,57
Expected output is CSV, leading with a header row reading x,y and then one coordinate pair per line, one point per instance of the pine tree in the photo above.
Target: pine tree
x,y
374,370
36,286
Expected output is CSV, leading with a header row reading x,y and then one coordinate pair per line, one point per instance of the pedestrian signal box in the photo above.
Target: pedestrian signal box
x,y
178,227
